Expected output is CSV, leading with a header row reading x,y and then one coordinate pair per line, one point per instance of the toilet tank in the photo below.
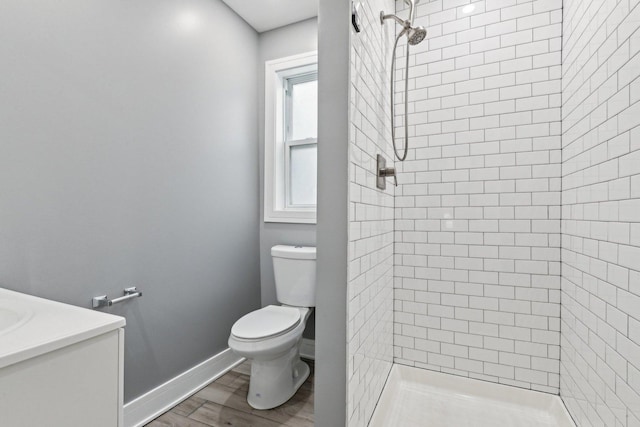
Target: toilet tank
x,y
294,268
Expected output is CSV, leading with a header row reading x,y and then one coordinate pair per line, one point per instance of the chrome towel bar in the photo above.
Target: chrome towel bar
x,y
104,301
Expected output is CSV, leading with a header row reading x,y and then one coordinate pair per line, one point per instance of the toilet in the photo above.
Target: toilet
x,y
271,336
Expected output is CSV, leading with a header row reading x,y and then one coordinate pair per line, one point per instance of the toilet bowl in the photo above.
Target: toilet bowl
x,y
271,339
271,336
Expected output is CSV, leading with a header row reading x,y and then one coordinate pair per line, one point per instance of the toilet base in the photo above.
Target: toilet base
x,y
273,382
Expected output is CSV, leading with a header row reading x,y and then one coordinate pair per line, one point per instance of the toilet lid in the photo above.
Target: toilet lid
x,y
268,321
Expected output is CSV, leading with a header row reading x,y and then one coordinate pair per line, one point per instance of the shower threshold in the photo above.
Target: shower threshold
x,y
418,397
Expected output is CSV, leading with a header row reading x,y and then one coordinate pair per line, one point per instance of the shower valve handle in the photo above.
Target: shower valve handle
x,y
387,172
383,172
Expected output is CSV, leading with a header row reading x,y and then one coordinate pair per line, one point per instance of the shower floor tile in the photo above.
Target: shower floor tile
x,y
417,397
224,403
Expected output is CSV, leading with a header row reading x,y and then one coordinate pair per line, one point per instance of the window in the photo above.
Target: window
x,y
291,144
300,142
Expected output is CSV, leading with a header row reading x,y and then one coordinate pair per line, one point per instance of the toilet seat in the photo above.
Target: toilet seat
x,y
270,321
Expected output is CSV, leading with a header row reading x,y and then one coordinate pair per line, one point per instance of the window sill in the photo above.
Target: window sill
x,y
291,216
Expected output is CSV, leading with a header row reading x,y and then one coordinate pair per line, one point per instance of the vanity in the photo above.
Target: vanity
x,y
60,365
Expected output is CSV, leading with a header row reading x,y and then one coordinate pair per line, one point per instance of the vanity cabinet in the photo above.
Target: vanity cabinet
x,y
75,386
61,367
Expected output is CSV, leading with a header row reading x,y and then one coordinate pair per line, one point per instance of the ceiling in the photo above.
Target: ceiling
x,y
265,15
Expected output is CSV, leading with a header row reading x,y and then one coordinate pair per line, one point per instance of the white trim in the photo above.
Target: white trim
x,y
308,349
150,405
274,210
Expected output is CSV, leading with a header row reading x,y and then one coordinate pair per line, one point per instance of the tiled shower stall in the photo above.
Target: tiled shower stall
x,y
510,249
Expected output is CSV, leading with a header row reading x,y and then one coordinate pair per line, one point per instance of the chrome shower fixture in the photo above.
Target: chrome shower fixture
x,y
414,36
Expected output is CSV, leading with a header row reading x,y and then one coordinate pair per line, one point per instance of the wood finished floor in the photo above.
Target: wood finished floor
x,y
224,403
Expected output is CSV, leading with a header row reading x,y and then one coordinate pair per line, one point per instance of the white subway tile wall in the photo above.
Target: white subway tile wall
x,y
477,211
370,288
600,369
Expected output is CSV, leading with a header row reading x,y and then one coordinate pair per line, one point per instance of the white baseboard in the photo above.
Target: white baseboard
x,y
308,349
162,398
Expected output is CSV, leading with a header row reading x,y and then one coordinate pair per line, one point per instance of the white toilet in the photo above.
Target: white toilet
x,y
270,337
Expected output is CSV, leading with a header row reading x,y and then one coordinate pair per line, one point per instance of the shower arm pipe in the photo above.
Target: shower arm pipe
x,y
406,23
395,18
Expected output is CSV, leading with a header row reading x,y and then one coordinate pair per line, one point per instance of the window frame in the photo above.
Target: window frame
x,y
277,167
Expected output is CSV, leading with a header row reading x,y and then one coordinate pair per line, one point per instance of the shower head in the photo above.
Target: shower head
x,y
415,35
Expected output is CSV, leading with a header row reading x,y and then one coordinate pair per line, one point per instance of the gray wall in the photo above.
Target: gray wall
x,y
333,175
128,156
293,39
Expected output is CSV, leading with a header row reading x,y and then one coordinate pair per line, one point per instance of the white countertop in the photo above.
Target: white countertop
x,y
38,326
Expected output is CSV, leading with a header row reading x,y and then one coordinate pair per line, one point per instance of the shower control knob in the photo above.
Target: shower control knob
x,y
383,172
386,172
